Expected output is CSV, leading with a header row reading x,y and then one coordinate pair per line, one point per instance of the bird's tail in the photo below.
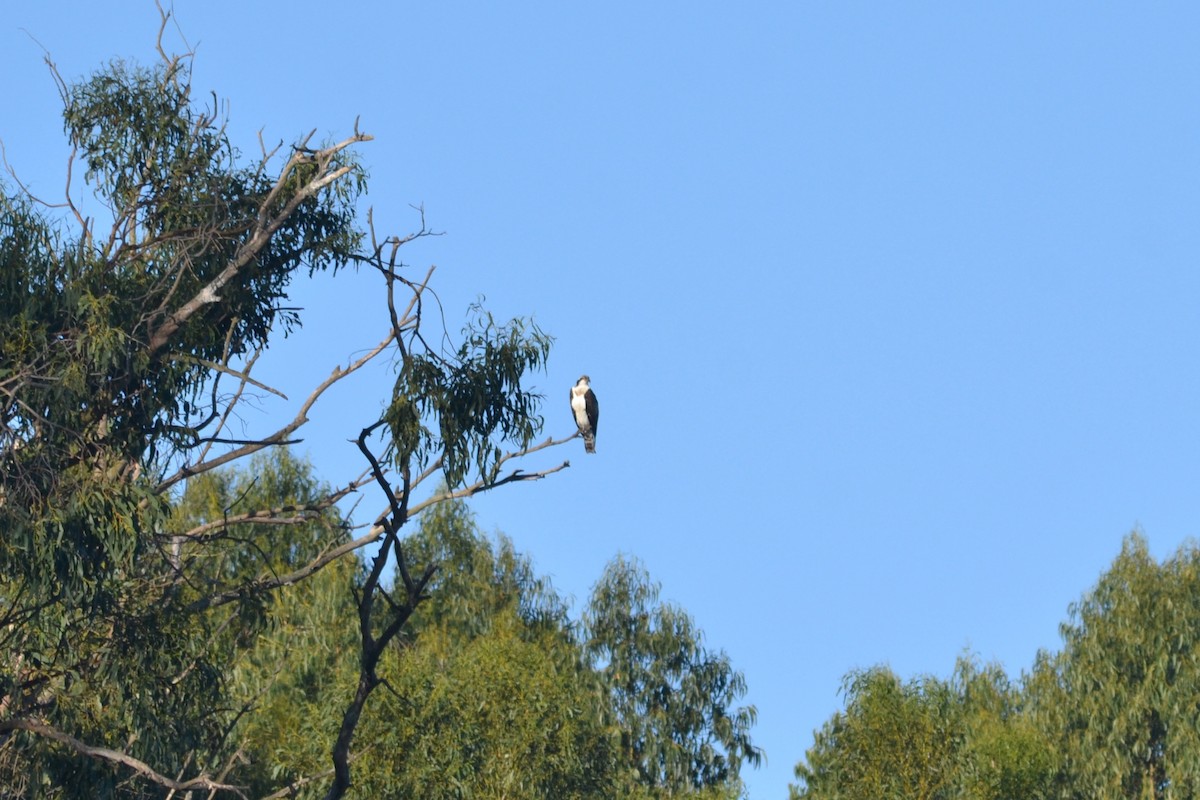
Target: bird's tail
x,y
589,443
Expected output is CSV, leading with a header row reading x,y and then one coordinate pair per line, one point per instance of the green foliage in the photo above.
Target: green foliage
x,y
894,740
489,698
488,695
498,716
155,626
485,696
1121,697
274,480
478,581
1003,753
453,408
671,698
1111,716
92,393
78,317
134,677
136,669
295,680
926,739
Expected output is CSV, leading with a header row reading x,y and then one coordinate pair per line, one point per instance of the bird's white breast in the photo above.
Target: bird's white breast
x,y
579,404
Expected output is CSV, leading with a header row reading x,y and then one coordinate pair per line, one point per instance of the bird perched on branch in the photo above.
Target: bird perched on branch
x,y
586,411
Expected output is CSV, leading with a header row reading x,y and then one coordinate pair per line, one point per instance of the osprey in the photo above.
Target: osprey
x,y
586,411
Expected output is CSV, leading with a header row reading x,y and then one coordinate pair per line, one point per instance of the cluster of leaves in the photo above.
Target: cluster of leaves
x,y
1112,715
451,408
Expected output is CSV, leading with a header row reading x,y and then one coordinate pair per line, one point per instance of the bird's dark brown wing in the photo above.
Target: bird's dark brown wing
x,y
593,409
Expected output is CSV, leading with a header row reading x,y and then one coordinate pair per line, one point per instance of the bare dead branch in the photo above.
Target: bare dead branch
x,y
237,757
187,762
293,787
281,435
25,190
266,585
201,781
298,784
84,227
166,16
237,395
481,486
275,516
226,440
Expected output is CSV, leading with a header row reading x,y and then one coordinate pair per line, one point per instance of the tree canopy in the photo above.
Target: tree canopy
x,y
490,691
127,346
671,697
1112,715
1123,693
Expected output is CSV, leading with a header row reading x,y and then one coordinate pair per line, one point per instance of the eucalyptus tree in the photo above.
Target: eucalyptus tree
x,y
1110,716
893,740
486,691
488,697
128,342
288,659
480,579
1120,700
927,738
671,699
1003,753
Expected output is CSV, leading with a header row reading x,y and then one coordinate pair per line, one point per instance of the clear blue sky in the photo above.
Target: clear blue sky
x,y
892,309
